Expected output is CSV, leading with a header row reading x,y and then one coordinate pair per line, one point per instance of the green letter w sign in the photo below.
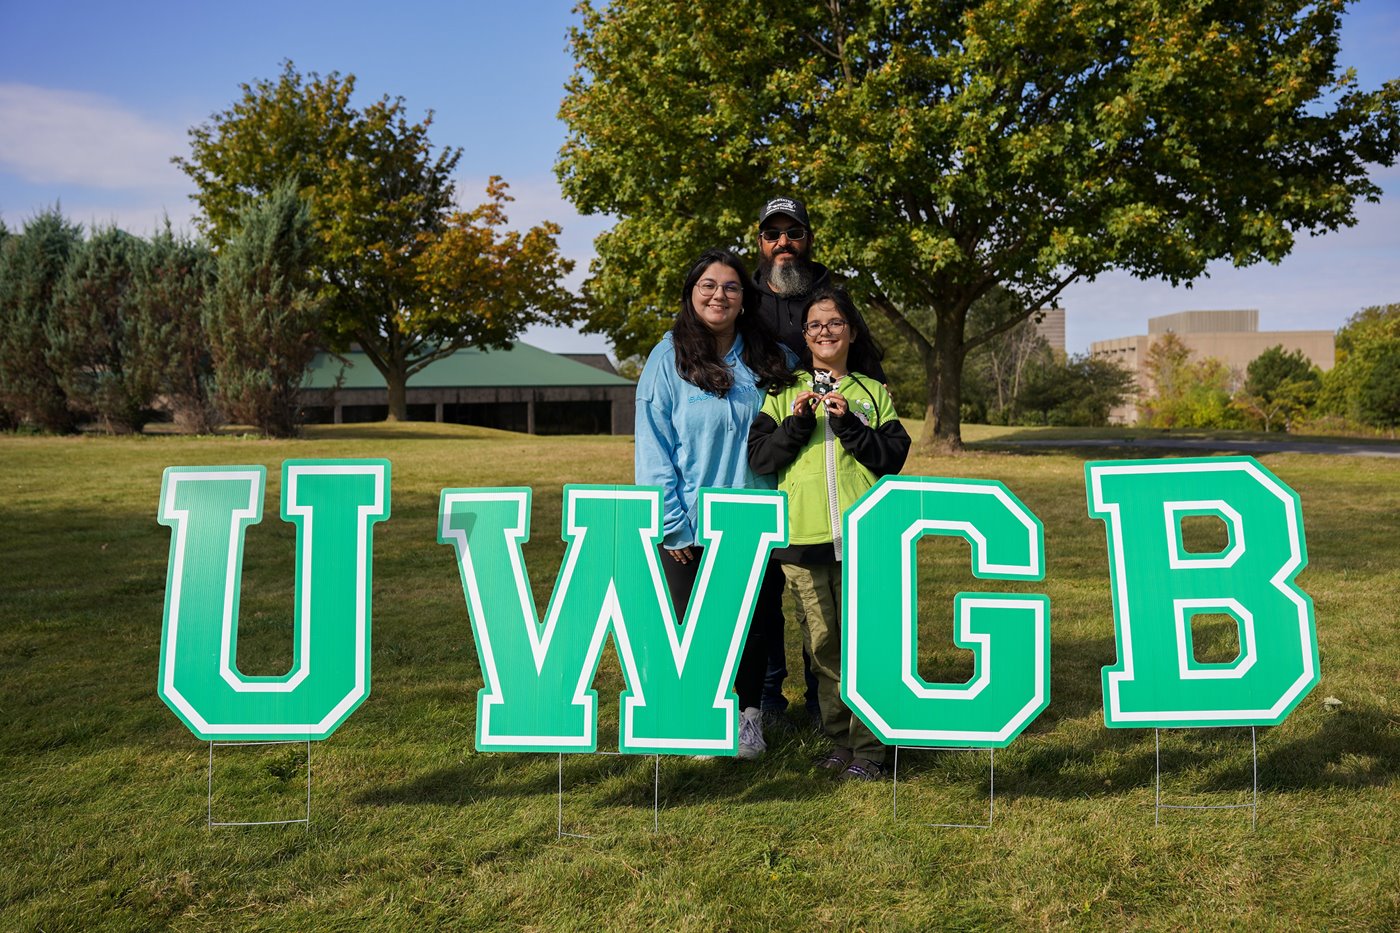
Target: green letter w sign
x,y
538,677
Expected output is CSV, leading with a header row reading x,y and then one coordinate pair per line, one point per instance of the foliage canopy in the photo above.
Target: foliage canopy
x,y
1364,386
948,147
402,272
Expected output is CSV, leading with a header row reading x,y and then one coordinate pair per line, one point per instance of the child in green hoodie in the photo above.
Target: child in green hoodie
x,y
829,438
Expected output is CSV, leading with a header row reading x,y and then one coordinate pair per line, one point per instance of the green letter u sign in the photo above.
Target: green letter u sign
x,y
335,505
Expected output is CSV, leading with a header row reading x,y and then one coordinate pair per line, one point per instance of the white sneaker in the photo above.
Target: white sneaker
x,y
751,743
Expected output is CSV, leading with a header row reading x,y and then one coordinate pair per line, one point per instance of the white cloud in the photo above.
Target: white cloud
x,y
50,136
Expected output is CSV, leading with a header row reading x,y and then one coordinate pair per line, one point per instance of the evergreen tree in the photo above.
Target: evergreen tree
x,y
172,283
31,265
263,319
8,419
92,335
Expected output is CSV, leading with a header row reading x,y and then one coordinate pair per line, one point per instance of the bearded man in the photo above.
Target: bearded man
x,y
786,274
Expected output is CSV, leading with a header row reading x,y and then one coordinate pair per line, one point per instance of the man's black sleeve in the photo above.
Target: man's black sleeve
x,y
773,446
881,450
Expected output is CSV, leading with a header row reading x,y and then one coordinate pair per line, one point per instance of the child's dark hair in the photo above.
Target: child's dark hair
x,y
866,352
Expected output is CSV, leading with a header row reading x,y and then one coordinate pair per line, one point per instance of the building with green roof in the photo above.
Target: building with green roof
x,y
521,389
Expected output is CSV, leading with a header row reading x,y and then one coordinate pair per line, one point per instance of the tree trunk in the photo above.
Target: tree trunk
x,y
397,383
943,364
943,427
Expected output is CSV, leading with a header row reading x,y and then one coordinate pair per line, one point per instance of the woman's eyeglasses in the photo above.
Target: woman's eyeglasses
x,y
792,233
707,288
831,327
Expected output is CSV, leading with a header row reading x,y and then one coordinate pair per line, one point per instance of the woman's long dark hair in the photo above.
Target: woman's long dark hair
x,y
865,352
697,360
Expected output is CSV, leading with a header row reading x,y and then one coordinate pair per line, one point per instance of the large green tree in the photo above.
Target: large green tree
x,y
946,147
402,271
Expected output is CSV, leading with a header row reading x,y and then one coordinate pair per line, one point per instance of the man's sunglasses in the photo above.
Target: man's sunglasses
x,y
792,233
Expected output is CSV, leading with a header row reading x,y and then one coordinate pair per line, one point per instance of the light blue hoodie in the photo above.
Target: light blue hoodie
x,y
689,439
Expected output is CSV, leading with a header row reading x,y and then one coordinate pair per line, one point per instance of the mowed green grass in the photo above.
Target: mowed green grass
x,y
103,793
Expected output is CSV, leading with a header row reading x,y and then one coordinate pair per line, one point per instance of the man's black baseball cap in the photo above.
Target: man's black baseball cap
x,y
789,206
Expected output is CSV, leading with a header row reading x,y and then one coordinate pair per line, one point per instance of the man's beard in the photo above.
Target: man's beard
x,y
789,278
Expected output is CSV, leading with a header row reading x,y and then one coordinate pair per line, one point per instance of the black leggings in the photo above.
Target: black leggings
x,y
768,611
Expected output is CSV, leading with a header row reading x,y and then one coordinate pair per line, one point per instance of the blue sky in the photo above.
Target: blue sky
x,y
96,97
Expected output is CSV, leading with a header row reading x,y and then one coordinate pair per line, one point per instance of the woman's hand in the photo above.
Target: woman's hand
x,y
803,404
682,555
836,406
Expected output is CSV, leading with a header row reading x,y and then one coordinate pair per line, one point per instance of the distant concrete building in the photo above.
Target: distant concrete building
x,y
1233,337
1052,327
521,389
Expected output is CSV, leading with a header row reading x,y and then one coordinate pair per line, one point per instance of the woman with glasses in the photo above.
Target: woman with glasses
x,y
829,437
698,394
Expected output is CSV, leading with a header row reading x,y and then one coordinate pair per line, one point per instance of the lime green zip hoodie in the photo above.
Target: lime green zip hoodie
x,y
826,464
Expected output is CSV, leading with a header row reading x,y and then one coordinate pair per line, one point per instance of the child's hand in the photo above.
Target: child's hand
x,y
803,404
836,406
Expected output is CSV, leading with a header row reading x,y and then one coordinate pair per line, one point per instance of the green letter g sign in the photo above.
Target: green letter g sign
x,y
335,505
1008,634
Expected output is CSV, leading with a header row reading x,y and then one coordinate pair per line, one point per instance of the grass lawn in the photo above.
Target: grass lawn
x,y
104,791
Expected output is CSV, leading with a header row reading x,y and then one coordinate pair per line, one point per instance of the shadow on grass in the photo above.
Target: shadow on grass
x,y
1108,444
610,779
1355,748
410,431
1076,679
1099,450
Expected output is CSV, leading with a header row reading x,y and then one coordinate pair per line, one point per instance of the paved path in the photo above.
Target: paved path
x,y
1347,449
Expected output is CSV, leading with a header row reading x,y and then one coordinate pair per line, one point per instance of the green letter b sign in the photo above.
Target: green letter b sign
x,y
335,505
1159,586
